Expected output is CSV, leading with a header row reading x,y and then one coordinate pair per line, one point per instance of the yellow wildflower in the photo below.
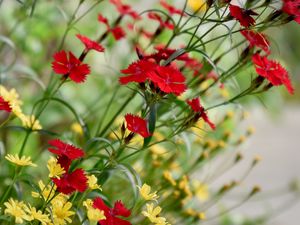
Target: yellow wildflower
x,y
201,190
55,169
61,212
16,209
23,161
37,215
197,5
77,129
184,185
46,192
168,176
30,122
93,214
92,182
201,216
145,192
153,214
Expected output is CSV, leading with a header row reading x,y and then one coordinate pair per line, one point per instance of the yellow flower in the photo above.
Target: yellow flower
x,y
55,169
93,214
168,176
37,215
30,122
23,161
61,212
184,185
92,182
77,129
153,214
201,190
197,5
145,192
16,209
46,192
12,97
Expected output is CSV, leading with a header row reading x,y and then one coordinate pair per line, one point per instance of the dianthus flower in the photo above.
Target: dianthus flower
x,y
171,9
112,214
69,65
66,152
138,71
70,182
169,80
292,7
117,31
125,9
137,125
4,105
200,111
272,71
163,23
242,15
90,44
256,39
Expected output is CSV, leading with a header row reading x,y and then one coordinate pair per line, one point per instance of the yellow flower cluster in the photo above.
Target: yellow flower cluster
x,y
152,213
55,169
21,212
12,97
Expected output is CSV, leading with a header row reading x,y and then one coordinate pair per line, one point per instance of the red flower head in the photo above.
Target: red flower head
x,y
242,15
138,71
256,39
137,125
292,7
70,66
4,105
272,71
172,10
199,109
162,23
112,214
125,9
89,44
169,80
66,152
70,182
117,31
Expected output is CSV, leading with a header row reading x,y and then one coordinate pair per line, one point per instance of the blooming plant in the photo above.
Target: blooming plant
x,y
132,110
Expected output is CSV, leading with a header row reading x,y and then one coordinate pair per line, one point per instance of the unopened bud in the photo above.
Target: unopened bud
x,y
254,190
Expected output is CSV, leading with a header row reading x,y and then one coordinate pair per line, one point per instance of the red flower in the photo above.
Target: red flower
x,y
63,149
125,9
242,15
256,39
164,24
292,7
112,214
4,105
70,66
172,10
137,125
272,71
168,79
89,44
118,32
70,182
138,71
199,109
